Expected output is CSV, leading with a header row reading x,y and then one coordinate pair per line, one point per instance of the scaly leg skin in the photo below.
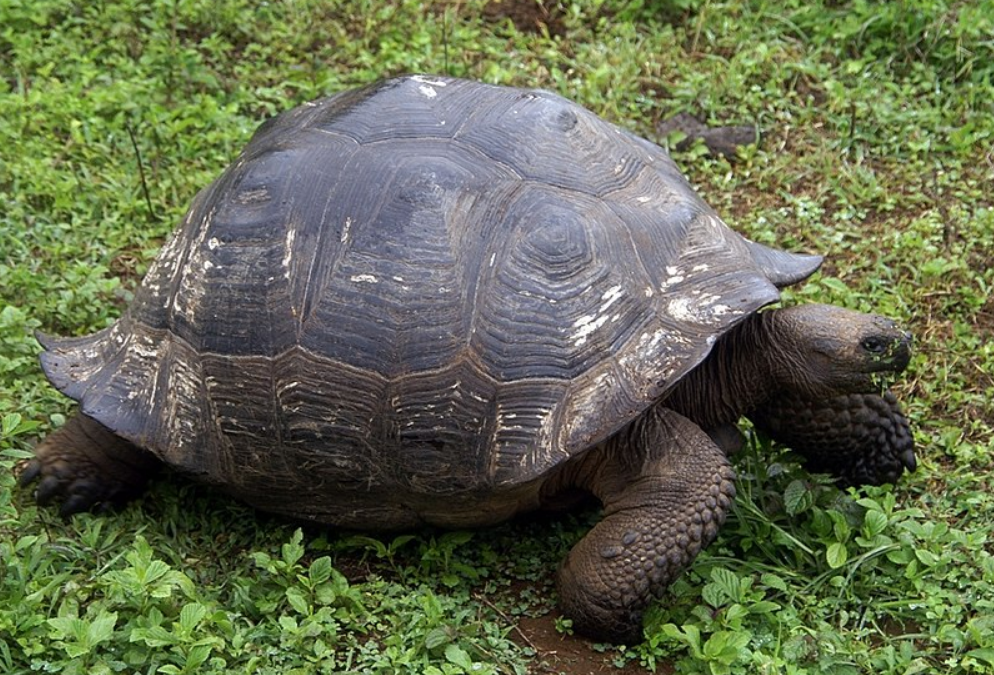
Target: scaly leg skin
x,y
666,488
861,439
87,466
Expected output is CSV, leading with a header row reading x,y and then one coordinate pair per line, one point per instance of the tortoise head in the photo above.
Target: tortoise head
x,y
832,405
823,350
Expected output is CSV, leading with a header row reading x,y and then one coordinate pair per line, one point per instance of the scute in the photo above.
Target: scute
x,y
427,285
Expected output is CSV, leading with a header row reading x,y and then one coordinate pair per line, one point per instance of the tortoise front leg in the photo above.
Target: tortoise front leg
x,y
85,465
861,439
666,487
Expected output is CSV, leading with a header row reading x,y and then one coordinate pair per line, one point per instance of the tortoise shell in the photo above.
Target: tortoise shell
x,y
424,286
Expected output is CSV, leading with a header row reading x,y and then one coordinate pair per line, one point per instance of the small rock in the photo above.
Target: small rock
x,y
719,140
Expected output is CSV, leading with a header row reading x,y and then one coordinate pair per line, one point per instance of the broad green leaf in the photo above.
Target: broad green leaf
x,y
874,522
985,654
156,569
726,647
735,612
69,627
453,539
10,422
101,628
797,498
728,582
457,655
298,601
154,636
293,550
196,656
398,542
713,595
436,638
689,635
763,607
774,582
836,555
191,615
320,571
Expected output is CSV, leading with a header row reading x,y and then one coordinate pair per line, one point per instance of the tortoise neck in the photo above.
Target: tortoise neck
x,y
739,374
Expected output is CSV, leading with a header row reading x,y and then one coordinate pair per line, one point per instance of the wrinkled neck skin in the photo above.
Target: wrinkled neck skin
x,y
740,374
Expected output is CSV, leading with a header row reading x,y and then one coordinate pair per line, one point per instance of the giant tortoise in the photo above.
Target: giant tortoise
x,y
431,301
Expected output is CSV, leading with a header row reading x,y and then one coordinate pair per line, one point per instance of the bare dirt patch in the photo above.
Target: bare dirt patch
x,y
558,653
528,16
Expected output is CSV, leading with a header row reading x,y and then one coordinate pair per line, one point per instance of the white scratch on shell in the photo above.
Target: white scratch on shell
x,y
674,278
426,80
288,251
346,228
586,325
704,309
611,296
680,309
589,400
364,278
718,309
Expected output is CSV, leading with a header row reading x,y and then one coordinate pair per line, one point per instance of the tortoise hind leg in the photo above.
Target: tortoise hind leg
x,y
666,487
85,465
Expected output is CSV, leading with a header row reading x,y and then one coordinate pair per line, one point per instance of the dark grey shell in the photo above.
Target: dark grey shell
x,y
426,286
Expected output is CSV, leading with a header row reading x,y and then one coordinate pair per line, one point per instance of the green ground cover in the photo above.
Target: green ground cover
x,y
878,130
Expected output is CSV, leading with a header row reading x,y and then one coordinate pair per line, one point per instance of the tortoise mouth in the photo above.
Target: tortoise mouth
x,y
882,368
897,358
890,353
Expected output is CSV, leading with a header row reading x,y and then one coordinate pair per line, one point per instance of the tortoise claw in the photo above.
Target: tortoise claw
x,y
76,503
48,489
908,459
30,473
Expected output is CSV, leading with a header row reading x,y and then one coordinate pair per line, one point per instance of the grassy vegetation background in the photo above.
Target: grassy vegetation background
x,y
878,128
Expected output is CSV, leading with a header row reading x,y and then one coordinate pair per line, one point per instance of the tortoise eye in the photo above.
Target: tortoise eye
x,y
874,345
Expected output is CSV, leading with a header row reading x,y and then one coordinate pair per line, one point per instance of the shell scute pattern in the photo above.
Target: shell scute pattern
x,y
428,283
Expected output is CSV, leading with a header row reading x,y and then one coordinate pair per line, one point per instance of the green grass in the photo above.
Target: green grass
x,y
878,123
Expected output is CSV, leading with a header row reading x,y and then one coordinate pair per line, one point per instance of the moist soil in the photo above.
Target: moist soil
x,y
567,654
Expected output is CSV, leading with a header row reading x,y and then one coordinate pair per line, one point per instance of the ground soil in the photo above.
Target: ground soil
x,y
570,655
555,652
528,15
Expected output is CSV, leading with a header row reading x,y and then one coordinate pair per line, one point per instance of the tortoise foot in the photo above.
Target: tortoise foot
x,y
86,467
659,512
861,439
